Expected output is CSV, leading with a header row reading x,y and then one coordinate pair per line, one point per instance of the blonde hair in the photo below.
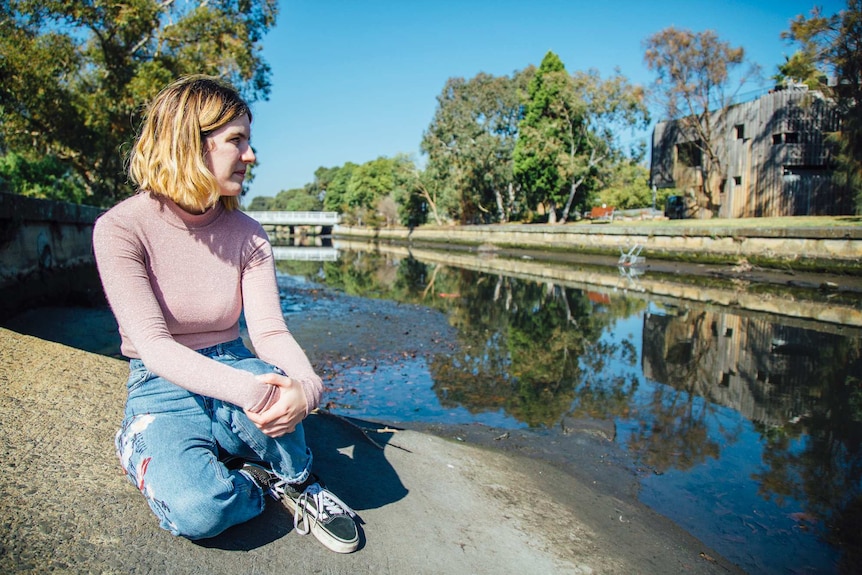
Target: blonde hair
x,y
168,156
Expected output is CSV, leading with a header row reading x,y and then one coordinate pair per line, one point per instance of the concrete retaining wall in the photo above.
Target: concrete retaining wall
x,y
45,251
817,248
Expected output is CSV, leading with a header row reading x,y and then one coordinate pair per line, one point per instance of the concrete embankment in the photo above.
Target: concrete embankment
x,y
428,505
833,248
45,252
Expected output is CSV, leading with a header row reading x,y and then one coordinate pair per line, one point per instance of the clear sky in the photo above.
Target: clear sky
x,y
353,80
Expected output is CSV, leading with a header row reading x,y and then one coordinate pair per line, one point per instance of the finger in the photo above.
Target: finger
x,y
275,379
279,431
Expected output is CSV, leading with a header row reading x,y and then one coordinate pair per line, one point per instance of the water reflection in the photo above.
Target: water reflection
x,y
747,425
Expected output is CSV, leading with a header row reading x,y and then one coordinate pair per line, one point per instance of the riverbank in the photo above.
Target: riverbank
x,y
435,505
814,244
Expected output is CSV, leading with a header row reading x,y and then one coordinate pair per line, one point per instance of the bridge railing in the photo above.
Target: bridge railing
x,y
308,254
296,218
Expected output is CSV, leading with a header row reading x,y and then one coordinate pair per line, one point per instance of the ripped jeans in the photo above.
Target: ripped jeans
x,y
170,441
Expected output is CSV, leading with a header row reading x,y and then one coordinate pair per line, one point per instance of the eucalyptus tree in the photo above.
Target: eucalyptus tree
x,y
296,200
370,182
469,144
413,193
335,195
697,78
75,75
604,109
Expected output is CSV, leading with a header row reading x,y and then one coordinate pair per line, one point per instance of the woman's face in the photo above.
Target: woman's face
x,y
228,155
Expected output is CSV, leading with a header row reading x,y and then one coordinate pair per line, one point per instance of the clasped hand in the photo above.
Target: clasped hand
x,y
288,410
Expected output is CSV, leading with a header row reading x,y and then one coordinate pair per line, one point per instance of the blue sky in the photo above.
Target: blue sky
x,y
354,80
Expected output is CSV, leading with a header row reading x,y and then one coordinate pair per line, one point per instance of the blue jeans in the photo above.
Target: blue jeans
x,y
169,447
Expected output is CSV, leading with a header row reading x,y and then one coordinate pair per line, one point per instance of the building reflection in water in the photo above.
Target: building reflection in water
x,y
770,373
801,391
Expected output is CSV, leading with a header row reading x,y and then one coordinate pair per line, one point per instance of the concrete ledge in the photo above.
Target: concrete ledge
x,y
429,505
829,247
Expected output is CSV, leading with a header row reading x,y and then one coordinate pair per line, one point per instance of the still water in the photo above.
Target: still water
x,y
746,427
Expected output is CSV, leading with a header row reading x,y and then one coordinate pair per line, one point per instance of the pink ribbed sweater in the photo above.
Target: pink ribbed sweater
x,y
178,282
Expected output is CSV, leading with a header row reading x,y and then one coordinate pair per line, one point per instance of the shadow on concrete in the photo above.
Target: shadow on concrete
x,y
350,465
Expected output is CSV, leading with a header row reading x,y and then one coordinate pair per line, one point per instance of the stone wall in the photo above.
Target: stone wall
x,y
45,252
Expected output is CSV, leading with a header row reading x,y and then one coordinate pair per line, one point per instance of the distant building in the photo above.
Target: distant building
x,y
775,157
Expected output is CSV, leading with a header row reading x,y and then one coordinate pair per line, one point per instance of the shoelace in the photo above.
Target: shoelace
x,y
325,504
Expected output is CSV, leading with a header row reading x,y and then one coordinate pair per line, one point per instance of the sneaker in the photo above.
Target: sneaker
x,y
315,509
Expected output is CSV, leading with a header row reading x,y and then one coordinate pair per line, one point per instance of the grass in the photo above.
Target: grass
x,y
796,222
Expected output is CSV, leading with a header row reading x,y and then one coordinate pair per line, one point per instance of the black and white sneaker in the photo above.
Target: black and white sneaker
x,y
315,509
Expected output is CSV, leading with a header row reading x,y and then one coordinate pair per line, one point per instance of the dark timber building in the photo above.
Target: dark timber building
x,y
774,159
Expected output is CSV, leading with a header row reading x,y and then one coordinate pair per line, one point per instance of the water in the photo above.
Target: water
x,y
745,427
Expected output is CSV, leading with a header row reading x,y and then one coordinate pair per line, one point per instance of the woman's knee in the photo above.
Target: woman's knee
x,y
255,366
198,515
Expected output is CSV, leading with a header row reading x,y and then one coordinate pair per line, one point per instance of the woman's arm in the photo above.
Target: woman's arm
x,y
122,264
270,337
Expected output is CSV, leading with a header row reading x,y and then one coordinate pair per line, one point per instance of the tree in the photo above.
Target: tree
x,y
834,43
46,178
335,197
540,149
469,145
260,204
411,193
628,187
77,74
698,77
296,200
604,109
370,182
570,134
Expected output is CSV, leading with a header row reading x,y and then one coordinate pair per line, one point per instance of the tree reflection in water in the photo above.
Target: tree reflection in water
x,y
707,380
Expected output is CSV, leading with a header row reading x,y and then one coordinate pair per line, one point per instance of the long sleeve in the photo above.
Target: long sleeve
x,y
270,337
174,289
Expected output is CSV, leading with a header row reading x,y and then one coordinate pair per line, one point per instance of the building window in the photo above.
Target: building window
x,y
737,180
739,131
688,154
786,138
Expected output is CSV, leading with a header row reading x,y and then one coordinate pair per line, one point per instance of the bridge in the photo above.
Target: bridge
x,y
296,218
306,254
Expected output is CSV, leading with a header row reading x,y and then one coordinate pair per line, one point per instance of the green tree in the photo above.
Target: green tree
x,y
371,190
834,44
260,204
46,178
697,78
296,200
411,195
76,74
540,150
628,187
335,195
469,144
604,108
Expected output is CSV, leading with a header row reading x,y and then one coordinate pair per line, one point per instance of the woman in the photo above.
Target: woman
x,y
179,263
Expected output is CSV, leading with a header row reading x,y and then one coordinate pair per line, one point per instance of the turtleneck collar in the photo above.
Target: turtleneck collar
x,y
173,214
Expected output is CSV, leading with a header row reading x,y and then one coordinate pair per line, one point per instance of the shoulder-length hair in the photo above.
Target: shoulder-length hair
x,y
168,156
